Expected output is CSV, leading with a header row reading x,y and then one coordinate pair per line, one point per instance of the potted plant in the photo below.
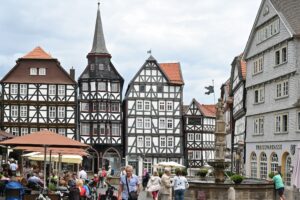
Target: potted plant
x,y
202,173
237,179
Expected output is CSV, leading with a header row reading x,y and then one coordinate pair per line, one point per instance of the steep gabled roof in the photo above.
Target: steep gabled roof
x,y
290,9
37,53
173,72
208,110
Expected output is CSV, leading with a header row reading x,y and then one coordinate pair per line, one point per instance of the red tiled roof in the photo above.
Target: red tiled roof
x,y
208,110
173,72
243,68
37,53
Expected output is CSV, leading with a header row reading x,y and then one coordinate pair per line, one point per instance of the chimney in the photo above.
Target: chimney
x,y
72,73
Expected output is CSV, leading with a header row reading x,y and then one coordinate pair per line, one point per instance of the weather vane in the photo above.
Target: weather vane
x,y
98,3
149,51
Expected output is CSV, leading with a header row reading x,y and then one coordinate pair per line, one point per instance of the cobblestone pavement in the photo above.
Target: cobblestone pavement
x,y
143,194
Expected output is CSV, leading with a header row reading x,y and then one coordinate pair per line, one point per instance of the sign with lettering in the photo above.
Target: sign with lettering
x,y
268,146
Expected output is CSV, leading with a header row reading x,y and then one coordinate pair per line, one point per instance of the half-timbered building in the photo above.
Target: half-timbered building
x,y
100,96
199,129
37,93
238,92
153,115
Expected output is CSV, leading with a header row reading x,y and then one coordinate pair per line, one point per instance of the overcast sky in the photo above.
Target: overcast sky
x,y
203,35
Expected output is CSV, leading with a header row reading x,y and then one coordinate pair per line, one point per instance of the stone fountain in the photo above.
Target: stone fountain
x,y
218,163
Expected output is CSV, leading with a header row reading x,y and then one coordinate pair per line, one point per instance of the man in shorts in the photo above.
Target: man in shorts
x,y
279,186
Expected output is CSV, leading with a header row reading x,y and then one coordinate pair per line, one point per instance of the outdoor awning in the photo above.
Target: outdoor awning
x,y
76,159
54,150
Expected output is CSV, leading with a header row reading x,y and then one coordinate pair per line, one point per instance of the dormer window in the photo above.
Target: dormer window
x,y
42,71
33,71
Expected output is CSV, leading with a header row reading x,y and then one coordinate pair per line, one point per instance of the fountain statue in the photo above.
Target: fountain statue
x,y
218,163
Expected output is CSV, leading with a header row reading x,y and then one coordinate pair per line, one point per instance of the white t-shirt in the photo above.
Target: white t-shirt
x,y
180,183
82,174
13,166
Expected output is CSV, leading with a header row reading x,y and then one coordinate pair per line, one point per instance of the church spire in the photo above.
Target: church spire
x,y
99,42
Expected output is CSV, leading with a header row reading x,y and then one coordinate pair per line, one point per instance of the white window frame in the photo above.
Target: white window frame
x,y
162,123
258,126
114,107
268,30
15,131
162,106
114,87
14,111
147,123
33,71
61,112
274,162
148,142
85,86
170,124
33,130
52,112
282,56
147,105
163,142
139,105
85,129
24,131
101,86
102,129
139,122
282,89
260,95
170,139
253,165
102,106
23,89
197,136
61,90
140,141
169,105
52,89
279,123
23,111
13,88
263,165
190,137
42,71
115,129
258,65
61,131
84,106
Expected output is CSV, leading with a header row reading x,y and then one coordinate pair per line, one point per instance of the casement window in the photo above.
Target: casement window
x,y
14,111
161,160
281,56
170,142
15,131
108,129
163,142
197,136
102,106
61,112
115,87
148,142
170,123
139,105
258,65
147,123
281,123
62,131
52,130
115,129
190,136
267,31
42,71
147,105
52,89
114,107
274,162
197,155
160,88
142,88
23,89
258,125
23,111
92,67
161,106
101,86
259,95
263,166
85,86
282,89
24,131
253,167
61,90
95,129
13,88
84,107
85,129
190,155
169,106
162,123
33,71
33,130
288,174
52,112
139,122
102,129
95,106
140,141
101,66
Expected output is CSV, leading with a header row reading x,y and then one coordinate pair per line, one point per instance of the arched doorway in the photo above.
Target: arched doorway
x,y
111,157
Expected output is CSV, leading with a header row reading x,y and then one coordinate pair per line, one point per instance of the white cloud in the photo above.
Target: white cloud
x,y
203,35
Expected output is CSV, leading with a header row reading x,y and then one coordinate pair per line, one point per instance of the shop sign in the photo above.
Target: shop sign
x,y
269,147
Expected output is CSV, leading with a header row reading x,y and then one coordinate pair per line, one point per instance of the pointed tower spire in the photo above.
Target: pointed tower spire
x,y
99,42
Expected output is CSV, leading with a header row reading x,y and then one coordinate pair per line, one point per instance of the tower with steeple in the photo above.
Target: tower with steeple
x,y
100,96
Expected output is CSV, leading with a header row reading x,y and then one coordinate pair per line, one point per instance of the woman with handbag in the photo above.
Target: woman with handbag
x,y
129,187
153,185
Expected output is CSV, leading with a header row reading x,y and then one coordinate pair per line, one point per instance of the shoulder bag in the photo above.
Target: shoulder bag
x,y
131,195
